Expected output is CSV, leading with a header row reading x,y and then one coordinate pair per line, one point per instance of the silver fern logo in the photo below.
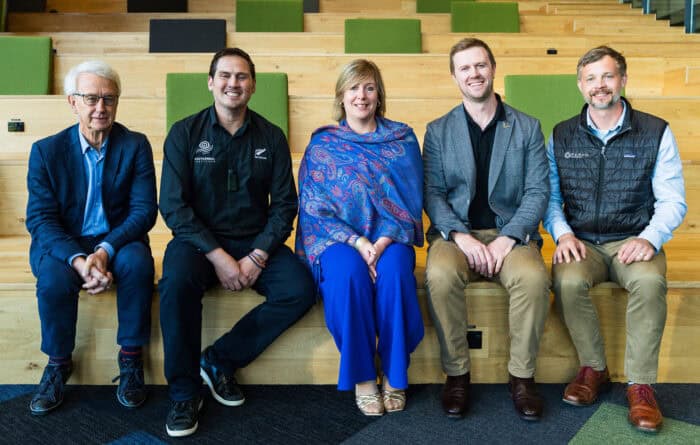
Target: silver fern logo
x,y
260,153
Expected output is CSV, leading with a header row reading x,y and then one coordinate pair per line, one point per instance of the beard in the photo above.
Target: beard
x,y
614,99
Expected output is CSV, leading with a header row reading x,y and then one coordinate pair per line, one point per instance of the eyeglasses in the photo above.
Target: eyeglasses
x,y
93,99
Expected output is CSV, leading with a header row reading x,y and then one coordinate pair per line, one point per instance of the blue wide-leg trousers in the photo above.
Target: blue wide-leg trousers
x,y
367,318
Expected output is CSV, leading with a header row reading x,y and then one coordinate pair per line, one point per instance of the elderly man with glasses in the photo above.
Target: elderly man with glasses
x,y
92,201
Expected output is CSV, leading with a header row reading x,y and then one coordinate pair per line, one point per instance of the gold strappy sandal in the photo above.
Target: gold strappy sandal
x,y
370,404
394,400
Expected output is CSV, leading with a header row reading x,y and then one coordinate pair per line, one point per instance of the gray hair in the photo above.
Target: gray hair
x,y
96,67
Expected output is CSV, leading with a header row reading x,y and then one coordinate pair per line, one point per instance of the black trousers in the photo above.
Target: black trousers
x,y
285,283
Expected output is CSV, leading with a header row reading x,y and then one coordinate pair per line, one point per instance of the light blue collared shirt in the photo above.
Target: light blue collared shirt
x,y
666,182
94,220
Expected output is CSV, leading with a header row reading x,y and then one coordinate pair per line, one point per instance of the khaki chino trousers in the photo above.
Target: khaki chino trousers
x,y
525,278
645,282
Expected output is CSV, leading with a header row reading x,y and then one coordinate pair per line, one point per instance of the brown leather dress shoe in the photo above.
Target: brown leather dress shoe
x,y
455,395
584,389
527,401
645,414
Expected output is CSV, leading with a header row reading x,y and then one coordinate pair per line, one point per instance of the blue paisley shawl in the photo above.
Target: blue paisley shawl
x,y
359,185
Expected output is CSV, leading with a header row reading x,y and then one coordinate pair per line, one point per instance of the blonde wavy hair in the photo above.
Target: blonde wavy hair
x,y
351,74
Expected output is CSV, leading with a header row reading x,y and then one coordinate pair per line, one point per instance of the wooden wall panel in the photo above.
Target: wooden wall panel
x,y
46,115
89,6
309,43
418,76
226,6
333,22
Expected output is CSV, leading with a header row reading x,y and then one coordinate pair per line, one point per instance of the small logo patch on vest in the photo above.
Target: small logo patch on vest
x,y
572,155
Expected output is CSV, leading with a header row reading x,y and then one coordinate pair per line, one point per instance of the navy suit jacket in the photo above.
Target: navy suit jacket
x,y
58,192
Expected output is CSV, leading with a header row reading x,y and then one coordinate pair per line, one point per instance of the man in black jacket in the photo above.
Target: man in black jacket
x,y
228,195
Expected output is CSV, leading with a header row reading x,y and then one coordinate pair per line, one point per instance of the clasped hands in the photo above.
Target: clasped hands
x,y
371,252
484,259
237,275
93,270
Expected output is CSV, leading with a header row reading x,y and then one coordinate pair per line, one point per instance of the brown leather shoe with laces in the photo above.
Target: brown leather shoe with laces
x,y
455,395
645,414
527,401
584,389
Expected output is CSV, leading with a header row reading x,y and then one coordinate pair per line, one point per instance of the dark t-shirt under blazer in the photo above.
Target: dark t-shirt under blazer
x,y
480,214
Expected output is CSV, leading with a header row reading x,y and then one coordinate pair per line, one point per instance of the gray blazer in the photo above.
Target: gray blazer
x,y
518,175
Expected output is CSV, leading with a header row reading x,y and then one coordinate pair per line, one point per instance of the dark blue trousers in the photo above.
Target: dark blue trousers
x,y
368,318
58,285
285,283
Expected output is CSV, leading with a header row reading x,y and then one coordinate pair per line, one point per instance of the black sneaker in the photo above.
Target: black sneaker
x,y
50,393
224,388
131,391
183,418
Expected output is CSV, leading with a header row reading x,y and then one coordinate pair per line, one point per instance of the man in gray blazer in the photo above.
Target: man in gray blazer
x,y
486,190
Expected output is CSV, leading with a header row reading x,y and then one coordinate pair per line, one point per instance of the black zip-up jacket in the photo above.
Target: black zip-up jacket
x,y
217,186
607,188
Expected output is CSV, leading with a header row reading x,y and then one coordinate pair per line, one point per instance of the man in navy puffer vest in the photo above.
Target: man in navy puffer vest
x,y
617,194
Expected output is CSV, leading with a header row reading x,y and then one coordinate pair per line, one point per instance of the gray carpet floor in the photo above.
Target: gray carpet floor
x,y
321,415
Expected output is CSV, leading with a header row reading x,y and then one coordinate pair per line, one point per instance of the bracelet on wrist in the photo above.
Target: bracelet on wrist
x,y
260,259
257,264
356,244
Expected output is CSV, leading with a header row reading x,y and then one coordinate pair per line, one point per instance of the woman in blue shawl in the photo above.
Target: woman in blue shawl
x,y
360,191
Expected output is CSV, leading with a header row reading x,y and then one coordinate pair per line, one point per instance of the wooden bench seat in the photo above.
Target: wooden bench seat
x,y
306,354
